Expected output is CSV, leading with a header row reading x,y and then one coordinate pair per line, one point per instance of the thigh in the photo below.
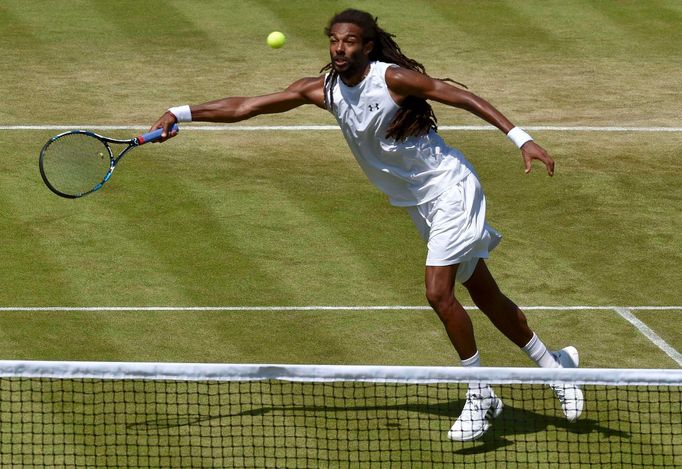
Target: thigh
x,y
441,278
481,283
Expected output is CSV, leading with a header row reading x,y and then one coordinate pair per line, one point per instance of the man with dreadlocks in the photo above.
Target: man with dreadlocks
x,y
379,98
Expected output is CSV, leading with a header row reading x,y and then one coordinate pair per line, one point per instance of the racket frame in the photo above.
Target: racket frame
x,y
131,143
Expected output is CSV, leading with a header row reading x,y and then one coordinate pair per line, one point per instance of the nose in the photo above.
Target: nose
x,y
339,48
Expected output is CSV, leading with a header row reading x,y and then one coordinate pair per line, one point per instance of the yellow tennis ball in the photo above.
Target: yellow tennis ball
x,y
276,39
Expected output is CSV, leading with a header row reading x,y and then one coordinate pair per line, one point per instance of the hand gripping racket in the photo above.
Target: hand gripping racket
x,y
79,162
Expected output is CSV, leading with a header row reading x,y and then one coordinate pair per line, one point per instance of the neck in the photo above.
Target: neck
x,y
355,78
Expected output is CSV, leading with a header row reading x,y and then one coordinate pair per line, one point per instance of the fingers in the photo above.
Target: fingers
x,y
550,167
548,161
165,122
535,152
157,125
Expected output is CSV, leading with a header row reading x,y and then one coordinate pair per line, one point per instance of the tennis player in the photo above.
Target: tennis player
x,y
380,99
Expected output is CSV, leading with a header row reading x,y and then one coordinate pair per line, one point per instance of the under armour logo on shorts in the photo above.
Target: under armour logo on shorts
x,y
374,107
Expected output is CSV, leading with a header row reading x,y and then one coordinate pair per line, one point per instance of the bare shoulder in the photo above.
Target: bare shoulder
x,y
310,88
400,76
404,82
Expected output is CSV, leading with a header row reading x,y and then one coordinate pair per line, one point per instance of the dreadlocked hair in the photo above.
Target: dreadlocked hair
x,y
415,116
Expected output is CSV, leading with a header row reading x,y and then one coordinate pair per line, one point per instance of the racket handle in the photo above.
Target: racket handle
x,y
154,135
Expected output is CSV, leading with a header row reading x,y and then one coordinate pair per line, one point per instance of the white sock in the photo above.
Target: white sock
x,y
474,360
480,389
537,351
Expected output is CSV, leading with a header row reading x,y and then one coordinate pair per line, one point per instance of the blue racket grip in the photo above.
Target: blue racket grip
x,y
155,135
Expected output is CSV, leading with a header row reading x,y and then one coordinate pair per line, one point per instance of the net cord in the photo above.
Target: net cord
x,y
330,373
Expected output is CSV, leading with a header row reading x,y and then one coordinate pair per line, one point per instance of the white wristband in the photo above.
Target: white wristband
x,y
181,113
519,137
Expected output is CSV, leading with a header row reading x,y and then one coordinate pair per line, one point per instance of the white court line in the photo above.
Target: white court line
x,y
312,127
307,308
651,335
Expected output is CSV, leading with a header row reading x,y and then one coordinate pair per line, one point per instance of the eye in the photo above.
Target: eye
x,y
351,40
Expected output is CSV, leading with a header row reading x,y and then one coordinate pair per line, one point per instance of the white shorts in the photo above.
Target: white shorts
x,y
454,227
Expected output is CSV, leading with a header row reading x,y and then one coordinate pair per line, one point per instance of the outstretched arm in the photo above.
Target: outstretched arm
x,y
403,83
235,109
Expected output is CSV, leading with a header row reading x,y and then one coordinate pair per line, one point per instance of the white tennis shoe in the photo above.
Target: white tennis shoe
x,y
480,406
570,396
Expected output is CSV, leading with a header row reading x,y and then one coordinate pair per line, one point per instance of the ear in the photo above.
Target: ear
x,y
368,48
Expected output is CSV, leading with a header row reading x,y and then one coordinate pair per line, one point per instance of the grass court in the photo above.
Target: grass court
x,y
285,218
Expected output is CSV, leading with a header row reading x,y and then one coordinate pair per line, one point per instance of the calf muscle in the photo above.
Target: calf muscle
x,y
505,315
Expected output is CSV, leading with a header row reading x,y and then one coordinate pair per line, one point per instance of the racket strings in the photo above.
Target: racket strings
x,y
75,164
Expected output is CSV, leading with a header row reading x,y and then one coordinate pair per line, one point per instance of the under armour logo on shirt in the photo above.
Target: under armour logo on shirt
x,y
374,107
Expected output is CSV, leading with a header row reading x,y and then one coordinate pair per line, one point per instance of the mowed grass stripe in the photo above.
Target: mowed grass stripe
x,y
31,265
89,243
92,243
233,55
638,21
309,329
568,240
18,31
363,238
154,26
228,207
413,337
474,23
608,195
600,185
605,29
309,210
241,63
104,251
179,236
45,260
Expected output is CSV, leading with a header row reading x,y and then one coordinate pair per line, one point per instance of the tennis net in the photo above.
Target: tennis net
x,y
153,415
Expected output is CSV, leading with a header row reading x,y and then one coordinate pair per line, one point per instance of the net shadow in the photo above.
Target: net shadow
x,y
512,422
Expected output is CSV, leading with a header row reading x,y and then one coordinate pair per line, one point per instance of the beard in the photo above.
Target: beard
x,y
348,65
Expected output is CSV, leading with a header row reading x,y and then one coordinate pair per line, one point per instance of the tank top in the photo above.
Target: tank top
x,y
410,172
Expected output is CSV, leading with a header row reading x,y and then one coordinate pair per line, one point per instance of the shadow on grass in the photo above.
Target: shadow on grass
x,y
511,423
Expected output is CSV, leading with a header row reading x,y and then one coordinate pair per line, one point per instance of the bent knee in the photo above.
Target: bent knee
x,y
438,297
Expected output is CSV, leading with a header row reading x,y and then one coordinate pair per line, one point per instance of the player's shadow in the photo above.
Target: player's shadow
x,y
516,421
513,421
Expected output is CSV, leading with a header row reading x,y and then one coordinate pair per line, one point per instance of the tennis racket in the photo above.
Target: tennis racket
x,y
80,162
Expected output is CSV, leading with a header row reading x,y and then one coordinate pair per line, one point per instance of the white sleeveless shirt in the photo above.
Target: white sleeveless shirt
x,y
411,172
